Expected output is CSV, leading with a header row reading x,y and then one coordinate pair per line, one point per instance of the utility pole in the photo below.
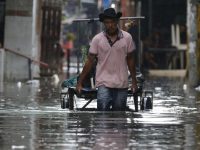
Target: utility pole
x,y
193,26
198,41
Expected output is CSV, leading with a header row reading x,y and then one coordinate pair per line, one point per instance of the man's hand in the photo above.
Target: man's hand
x,y
79,87
86,70
134,87
132,69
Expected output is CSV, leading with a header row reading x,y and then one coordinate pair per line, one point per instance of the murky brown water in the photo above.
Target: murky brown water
x,y
31,118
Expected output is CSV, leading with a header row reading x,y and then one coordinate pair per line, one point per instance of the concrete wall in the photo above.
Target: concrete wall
x,y
21,36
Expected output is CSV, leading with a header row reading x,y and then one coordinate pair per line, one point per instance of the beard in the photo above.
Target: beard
x,y
112,31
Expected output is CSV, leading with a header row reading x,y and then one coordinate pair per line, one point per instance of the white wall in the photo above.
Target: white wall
x,y
18,35
21,36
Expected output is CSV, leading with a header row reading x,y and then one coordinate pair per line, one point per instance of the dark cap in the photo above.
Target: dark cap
x,y
109,13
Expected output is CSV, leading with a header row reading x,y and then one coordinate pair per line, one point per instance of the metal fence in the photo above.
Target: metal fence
x,y
51,25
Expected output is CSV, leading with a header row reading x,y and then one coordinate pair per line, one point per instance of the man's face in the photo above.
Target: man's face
x,y
110,26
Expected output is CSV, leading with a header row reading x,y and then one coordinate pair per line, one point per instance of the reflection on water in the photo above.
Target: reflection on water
x,y
31,118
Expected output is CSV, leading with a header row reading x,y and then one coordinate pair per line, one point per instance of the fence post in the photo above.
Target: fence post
x,y
2,53
29,69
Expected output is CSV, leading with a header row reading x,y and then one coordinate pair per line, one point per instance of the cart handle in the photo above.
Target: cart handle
x,y
97,19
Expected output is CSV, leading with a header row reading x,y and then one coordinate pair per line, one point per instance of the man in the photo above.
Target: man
x,y
113,49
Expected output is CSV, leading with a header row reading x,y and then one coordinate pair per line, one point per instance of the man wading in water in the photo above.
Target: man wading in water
x,y
114,50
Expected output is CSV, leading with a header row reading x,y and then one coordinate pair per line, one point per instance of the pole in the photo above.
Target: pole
x,y
78,53
198,42
139,46
97,19
29,69
2,52
192,42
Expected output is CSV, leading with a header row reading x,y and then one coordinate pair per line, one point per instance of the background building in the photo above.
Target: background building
x,y
33,28
29,33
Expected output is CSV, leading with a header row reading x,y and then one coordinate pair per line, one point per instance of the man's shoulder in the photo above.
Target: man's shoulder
x,y
97,38
125,33
98,35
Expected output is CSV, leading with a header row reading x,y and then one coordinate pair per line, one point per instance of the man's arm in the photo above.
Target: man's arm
x,y
86,70
132,69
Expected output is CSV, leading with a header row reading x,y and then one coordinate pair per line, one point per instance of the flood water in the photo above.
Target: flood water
x,y
31,118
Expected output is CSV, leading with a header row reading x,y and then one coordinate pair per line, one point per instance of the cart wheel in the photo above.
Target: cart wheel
x,y
71,98
146,103
64,102
64,98
149,103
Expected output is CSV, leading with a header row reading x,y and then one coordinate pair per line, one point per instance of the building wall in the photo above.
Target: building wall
x,y
20,36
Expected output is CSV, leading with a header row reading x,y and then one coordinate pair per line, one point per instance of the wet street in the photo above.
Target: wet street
x,y
31,118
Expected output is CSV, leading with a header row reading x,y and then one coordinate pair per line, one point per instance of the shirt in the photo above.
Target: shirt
x,y
112,70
